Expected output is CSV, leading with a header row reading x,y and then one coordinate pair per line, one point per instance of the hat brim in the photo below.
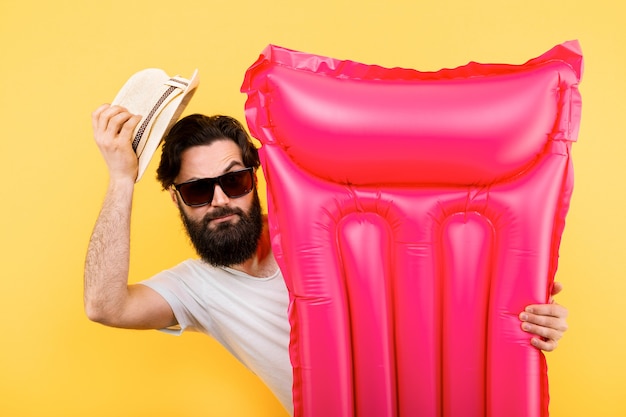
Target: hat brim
x,y
160,100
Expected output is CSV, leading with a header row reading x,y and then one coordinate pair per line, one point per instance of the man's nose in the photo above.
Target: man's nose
x,y
219,197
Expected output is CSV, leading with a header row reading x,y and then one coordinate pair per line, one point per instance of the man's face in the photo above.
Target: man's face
x,y
226,231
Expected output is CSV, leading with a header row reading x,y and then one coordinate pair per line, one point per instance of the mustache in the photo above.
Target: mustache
x,y
221,212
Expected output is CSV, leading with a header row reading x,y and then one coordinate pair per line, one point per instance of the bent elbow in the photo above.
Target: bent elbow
x,y
98,314
93,313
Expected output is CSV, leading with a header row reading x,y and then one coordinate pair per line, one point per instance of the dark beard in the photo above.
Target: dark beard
x,y
227,244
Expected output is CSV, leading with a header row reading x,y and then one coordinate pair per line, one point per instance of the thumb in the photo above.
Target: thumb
x,y
557,287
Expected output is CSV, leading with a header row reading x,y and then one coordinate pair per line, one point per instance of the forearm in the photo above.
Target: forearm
x,y
108,255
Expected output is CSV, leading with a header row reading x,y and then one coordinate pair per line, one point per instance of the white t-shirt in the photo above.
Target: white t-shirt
x,y
246,314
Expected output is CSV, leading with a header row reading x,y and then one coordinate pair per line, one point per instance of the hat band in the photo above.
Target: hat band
x,y
155,108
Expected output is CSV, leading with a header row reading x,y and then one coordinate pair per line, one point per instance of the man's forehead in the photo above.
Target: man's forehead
x,y
210,160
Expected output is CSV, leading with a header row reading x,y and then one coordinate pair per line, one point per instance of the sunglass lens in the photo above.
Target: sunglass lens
x,y
197,192
237,184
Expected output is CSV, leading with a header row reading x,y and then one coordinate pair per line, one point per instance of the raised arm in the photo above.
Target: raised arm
x,y
108,297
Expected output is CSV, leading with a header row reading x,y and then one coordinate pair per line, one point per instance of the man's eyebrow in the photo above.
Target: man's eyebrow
x,y
230,166
233,164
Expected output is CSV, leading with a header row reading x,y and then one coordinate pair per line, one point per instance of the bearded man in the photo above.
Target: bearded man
x,y
235,292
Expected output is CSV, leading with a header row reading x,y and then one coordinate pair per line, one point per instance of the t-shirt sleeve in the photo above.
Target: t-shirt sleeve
x,y
182,298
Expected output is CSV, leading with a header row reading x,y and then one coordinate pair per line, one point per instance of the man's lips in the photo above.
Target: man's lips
x,y
222,218
222,215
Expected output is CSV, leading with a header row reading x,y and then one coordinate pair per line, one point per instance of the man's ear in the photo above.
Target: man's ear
x,y
173,195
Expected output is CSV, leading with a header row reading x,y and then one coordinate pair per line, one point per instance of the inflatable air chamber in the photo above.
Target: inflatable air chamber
x,y
414,215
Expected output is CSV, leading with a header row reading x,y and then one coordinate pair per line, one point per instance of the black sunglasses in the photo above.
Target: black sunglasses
x,y
196,193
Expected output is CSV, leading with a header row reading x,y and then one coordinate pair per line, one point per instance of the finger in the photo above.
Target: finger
x,y
551,310
95,115
559,324
101,118
117,122
107,117
129,126
546,332
545,345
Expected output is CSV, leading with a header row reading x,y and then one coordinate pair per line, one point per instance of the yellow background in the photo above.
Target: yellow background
x,y
61,59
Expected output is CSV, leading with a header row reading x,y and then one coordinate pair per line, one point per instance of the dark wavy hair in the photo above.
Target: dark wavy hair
x,y
196,130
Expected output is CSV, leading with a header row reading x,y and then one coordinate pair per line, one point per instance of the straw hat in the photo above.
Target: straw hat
x,y
160,100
